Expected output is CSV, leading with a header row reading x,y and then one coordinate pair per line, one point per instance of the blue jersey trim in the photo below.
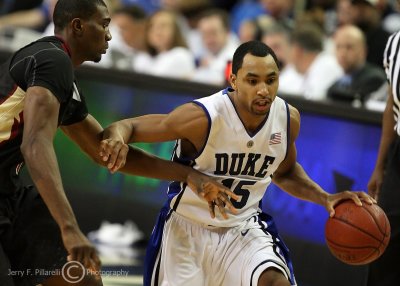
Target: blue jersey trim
x,y
154,247
208,128
287,129
262,263
273,231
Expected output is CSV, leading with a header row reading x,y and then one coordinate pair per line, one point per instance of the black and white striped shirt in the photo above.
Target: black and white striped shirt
x,y
391,63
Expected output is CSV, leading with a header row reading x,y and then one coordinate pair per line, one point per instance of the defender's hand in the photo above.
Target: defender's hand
x,y
213,192
113,152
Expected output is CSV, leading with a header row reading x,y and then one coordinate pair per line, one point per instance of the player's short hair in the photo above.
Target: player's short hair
x,y
67,10
255,48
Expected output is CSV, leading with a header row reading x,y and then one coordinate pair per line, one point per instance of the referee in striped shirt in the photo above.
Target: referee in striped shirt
x,y
384,184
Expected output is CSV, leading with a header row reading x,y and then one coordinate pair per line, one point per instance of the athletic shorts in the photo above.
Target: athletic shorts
x,y
31,247
191,254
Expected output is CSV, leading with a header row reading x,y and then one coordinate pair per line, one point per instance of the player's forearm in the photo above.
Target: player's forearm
x,y
141,163
42,164
298,184
120,130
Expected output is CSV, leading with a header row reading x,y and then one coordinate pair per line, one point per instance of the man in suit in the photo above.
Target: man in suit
x,y
361,78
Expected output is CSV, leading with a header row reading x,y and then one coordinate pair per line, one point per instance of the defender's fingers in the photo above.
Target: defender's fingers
x,y
232,194
221,208
211,208
114,154
224,198
104,154
121,159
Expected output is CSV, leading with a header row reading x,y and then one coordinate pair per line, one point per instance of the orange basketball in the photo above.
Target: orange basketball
x,y
357,235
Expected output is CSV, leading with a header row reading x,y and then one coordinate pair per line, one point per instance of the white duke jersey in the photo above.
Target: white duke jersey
x,y
241,161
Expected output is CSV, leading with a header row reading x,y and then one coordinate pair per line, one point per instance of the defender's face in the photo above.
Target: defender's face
x,y
96,34
256,84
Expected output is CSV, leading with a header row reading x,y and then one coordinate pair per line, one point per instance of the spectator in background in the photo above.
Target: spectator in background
x,y
166,54
316,70
10,6
245,10
250,30
360,78
278,38
367,17
343,13
261,15
219,47
130,23
280,10
36,18
253,29
390,15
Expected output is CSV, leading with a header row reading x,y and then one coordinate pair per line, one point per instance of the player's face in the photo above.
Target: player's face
x,y
256,84
96,34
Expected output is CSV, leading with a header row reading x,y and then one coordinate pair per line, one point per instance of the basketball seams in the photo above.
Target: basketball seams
x,y
357,227
357,235
373,214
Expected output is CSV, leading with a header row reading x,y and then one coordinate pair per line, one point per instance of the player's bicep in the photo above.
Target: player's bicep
x,y
41,110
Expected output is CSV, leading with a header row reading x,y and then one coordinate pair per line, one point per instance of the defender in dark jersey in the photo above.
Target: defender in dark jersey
x,y
38,94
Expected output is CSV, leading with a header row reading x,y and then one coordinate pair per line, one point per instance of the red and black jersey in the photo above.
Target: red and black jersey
x,y
44,63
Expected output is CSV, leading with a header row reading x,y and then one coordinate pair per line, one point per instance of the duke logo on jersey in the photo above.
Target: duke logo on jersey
x,y
242,164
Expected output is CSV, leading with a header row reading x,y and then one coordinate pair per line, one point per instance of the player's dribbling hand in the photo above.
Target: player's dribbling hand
x,y
213,192
357,196
113,152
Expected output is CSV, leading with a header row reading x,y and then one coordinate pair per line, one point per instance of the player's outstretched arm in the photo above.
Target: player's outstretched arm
x,y
40,125
134,161
291,177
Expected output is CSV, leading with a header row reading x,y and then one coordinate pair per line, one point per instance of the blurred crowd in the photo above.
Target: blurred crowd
x,y
328,49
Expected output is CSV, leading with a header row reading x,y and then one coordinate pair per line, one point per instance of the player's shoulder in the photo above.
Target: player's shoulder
x,y
47,49
294,112
294,118
213,103
213,98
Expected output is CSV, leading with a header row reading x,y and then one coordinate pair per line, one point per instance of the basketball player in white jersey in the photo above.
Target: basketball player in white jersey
x,y
245,137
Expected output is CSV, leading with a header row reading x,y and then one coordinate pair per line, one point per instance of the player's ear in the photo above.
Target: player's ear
x,y
232,80
77,26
